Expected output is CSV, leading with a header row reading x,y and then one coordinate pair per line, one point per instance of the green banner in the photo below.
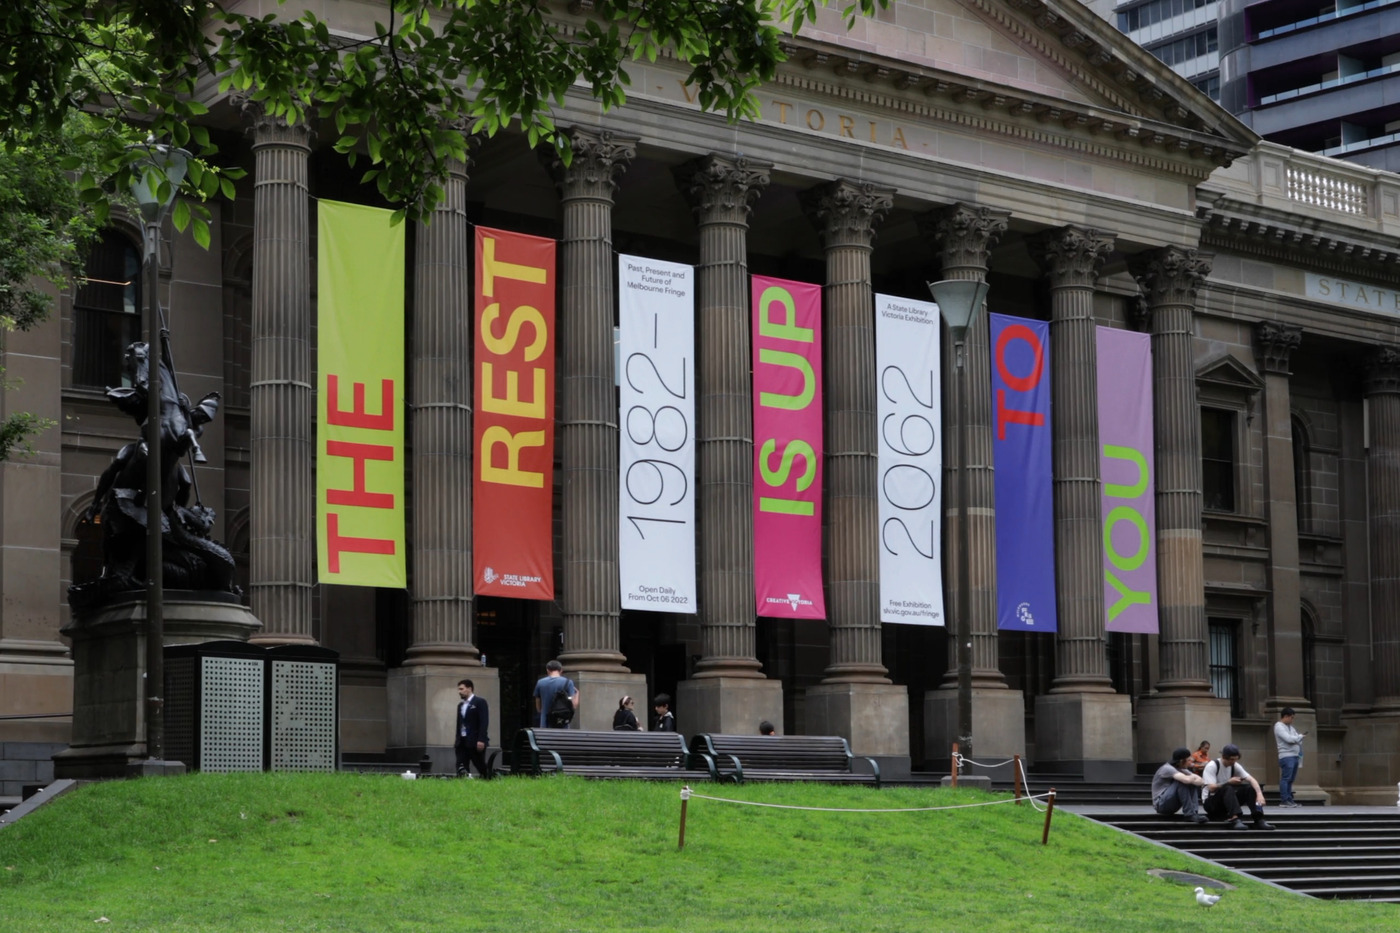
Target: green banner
x,y
359,398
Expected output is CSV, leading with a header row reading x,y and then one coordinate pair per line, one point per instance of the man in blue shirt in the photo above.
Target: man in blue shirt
x,y
547,688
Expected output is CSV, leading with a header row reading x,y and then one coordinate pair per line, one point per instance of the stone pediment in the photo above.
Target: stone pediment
x,y
1224,371
1048,63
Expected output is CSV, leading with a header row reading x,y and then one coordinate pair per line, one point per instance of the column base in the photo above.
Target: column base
x,y
422,703
998,728
874,718
99,762
599,692
1370,759
1167,722
1089,734
730,705
362,701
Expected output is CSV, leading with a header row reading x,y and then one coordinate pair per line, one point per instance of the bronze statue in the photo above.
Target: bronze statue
x,y
192,560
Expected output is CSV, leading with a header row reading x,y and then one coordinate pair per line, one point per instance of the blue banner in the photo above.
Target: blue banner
x,y
1024,474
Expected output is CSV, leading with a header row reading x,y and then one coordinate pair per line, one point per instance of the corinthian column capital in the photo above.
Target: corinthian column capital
x,y
1171,275
845,212
1276,343
1383,371
1072,255
597,157
722,188
964,234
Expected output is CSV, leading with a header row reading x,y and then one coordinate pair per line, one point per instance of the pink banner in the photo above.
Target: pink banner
x,y
787,441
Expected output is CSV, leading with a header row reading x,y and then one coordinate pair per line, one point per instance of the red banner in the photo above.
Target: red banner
x,y
513,429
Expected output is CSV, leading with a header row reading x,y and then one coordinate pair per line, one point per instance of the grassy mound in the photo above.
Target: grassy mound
x,y
351,853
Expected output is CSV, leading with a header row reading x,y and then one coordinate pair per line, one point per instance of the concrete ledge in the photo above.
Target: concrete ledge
x,y
52,792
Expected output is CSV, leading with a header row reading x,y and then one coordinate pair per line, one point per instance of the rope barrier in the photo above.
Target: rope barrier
x,y
1025,782
688,794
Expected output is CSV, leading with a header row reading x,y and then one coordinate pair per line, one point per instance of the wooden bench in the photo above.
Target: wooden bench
x,y
647,755
784,758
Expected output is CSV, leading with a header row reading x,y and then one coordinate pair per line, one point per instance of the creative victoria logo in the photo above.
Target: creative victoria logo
x,y
1023,613
793,599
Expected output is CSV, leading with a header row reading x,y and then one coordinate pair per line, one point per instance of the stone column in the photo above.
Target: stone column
x,y
588,437
1371,749
1081,725
963,236
728,693
855,698
423,692
282,540
1181,708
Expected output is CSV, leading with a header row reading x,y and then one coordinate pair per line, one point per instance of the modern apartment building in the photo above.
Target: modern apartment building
x,y
1317,75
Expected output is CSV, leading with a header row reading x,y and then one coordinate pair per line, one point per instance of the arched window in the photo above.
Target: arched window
x,y
1302,475
106,311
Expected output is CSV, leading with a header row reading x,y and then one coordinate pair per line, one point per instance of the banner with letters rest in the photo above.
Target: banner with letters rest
x,y
787,441
910,460
359,398
513,424
1128,509
1024,474
656,464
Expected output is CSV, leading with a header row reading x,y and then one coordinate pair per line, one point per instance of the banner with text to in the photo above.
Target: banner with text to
x,y
1023,474
359,399
656,464
787,441
513,424
910,460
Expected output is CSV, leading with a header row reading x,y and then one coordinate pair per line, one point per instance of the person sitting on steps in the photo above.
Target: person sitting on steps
x,y
1226,780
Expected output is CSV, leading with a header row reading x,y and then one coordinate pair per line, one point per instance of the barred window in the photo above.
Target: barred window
x,y
106,311
1224,666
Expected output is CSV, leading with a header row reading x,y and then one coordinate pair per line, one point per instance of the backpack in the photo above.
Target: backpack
x,y
561,709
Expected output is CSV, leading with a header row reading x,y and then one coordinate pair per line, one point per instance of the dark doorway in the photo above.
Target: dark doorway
x,y
503,629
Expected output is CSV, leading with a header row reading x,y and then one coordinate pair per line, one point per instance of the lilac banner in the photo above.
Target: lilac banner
x,y
1125,464
1023,474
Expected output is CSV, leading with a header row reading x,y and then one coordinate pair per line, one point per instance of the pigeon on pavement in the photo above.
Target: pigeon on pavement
x,y
1204,899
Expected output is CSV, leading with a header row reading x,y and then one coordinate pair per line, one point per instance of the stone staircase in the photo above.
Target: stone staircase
x,y
1331,852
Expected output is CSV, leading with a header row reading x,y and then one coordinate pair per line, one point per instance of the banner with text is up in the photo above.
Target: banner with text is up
x,y
359,398
787,442
513,425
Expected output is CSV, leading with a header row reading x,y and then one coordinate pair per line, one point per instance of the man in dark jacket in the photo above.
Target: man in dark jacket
x,y
473,724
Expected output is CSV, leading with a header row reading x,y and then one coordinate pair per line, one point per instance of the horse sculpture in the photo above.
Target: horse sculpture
x,y
191,559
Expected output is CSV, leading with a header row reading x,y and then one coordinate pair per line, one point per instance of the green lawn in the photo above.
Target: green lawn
x,y
351,853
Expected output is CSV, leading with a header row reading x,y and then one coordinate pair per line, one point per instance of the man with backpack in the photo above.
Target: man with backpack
x,y
1229,787
556,698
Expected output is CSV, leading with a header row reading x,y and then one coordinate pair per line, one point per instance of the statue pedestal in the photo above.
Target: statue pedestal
x,y
109,676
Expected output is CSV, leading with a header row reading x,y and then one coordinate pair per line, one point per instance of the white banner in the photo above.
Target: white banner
x,y
910,461
656,469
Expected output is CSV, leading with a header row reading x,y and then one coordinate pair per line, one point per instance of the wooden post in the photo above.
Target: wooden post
x,y
954,760
1049,809
1016,777
685,799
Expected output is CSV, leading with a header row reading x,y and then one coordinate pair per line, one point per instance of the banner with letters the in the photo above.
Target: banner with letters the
x,y
1128,509
910,460
513,424
1024,474
787,441
656,465
359,398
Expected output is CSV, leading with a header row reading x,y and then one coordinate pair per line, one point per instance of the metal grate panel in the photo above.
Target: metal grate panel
x,y
179,710
303,716
231,715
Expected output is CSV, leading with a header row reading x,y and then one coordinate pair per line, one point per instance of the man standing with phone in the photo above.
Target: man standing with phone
x,y
1290,756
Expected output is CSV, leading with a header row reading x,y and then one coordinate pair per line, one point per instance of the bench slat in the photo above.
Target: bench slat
x,y
607,754
784,757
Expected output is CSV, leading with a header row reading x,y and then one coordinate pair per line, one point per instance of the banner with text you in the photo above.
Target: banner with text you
x,y
910,461
513,427
1023,474
359,402
1128,507
656,466
787,440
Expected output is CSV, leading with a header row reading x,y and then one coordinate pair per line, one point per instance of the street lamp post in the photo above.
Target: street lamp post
x,y
157,176
959,301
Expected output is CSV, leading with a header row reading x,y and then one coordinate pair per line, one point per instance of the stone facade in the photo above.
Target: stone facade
x,y
1022,142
